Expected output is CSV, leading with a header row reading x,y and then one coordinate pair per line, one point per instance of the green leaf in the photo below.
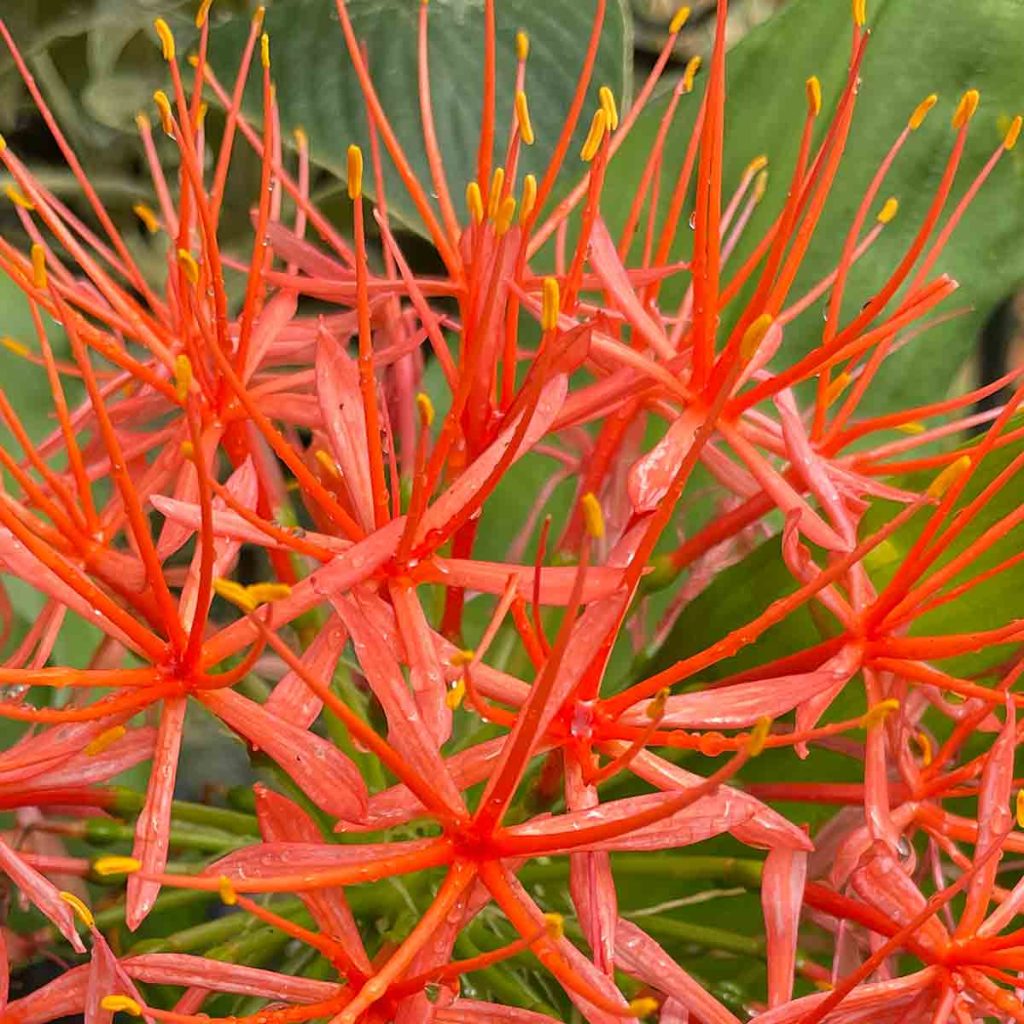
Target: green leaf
x,y
912,53
318,89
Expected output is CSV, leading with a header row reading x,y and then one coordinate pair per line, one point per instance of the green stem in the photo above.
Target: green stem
x,y
128,803
101,831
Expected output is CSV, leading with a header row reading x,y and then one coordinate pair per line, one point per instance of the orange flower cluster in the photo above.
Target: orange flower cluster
x,y
215,436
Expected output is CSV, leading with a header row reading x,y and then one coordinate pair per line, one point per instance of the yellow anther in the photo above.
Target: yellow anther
x,y
643,1007
226,890
234,593
690,73
203,13
529,198
889,210
595,136
455,695
593,517
759,736
82,912
760,186
163,30
425,407
550,304
554,925
106,739
142,122
163,105
860,12
656,709
18,198
912,427
475,202
355,172
182,376
124,1004
1013,133
949,476
495,191
462,658
15,346
265,50
759,163
503,218
38,266
300,137
925,745
813,86
679,19
921,111
609,106
754,335
835,388
966,108
188,450
328,463
878,713
523,118
147,216
1020,808
188,264
3,143
258,15
522,46
106,867
261,593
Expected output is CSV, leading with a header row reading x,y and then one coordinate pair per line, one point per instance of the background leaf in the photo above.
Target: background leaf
x,y
912,53
317,87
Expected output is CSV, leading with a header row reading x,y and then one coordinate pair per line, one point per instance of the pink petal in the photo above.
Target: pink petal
x,y
878,1003
274,317
994,822
41,893
762,827
782,493
651,475
291,699
882,883
556,582
782,894
638,954
266,860
341,407
185,970
604,258
62,997
283,821
473,1011
314,764
425,672
739,706
591,883
152,830
406,729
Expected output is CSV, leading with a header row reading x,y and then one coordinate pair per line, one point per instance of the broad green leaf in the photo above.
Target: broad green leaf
x,y
914,50
318,90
